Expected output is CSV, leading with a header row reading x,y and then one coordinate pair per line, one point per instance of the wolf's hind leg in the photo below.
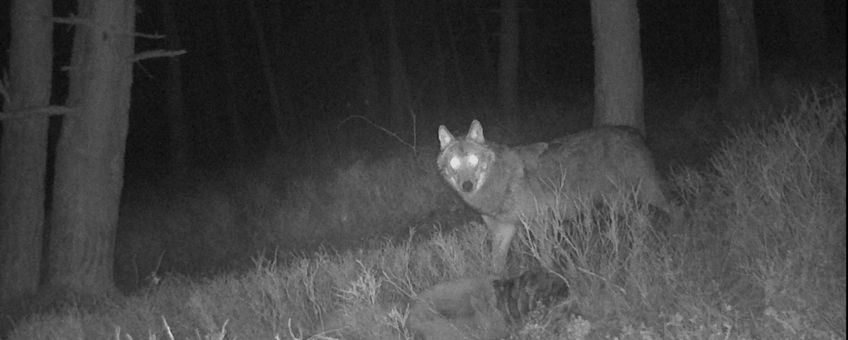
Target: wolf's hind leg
x,y
502,233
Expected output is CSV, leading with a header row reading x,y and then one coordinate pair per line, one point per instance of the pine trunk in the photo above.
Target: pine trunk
x,y
178,162
23,148
399,113
807,25
739,53
280,120
618,63
228,69
90,150
508,60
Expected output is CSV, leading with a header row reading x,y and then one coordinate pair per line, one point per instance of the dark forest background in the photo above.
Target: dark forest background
x,y
330,61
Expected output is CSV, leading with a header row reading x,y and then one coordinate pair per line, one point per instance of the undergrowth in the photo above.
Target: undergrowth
x,y
760,253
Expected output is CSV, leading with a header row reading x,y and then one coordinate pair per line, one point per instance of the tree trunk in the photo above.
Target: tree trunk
x,y
23,148
485,50
739,54
532,68
459,83
400,104
368,89
618,63
807,28
177,125
268,71
440,81
227,53
90,150
508,60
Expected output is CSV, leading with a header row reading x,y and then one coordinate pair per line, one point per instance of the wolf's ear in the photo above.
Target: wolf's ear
x,y
475,132
445,137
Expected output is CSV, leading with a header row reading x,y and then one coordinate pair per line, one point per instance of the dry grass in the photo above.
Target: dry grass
x,y
761,254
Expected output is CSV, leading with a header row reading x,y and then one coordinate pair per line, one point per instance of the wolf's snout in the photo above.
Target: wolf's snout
x,y
467,186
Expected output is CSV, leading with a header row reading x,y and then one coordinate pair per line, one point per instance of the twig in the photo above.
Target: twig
x,y
167,328
586,271
36,112
157,54
319,336
379,127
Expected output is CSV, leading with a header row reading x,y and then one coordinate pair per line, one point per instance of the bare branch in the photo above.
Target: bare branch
x,y
381,128
38,111
74,20
71,20
157,54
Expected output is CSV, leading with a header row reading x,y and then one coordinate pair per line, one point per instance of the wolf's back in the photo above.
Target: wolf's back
x,y
585,165
596,161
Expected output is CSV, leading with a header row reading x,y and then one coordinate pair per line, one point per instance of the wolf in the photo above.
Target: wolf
x,y
505,184
483,307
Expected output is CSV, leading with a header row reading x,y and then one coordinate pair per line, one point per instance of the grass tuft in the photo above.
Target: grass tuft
x,y
760,253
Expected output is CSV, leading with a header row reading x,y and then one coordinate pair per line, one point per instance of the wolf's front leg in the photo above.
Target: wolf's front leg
x,y
502,233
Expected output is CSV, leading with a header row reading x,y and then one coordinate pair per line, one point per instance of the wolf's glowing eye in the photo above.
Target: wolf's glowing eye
x,y
455,163
472,160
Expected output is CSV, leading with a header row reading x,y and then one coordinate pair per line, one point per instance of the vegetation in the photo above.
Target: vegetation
x,y
761,253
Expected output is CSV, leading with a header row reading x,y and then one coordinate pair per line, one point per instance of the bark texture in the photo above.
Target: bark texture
x,y
618,64
90,150
739,52
23,148
508,60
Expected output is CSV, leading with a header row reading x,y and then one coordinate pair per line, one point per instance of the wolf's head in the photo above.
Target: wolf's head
x,y
465,161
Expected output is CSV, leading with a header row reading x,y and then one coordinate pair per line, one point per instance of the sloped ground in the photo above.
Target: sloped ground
x,y
760,255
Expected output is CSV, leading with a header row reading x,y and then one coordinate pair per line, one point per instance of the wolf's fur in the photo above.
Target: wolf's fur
x,y
532,290
505,184
482,308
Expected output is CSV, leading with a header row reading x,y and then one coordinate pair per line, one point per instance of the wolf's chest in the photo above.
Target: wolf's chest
x,y
510,200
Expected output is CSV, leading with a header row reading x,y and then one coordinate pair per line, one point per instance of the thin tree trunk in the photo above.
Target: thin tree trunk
x,y
268,72
807,26
508,59
368,90
90,150
177,125
531,68
458,71
400,99
23,148
485,50
739,53
440,82
227,52
618,63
